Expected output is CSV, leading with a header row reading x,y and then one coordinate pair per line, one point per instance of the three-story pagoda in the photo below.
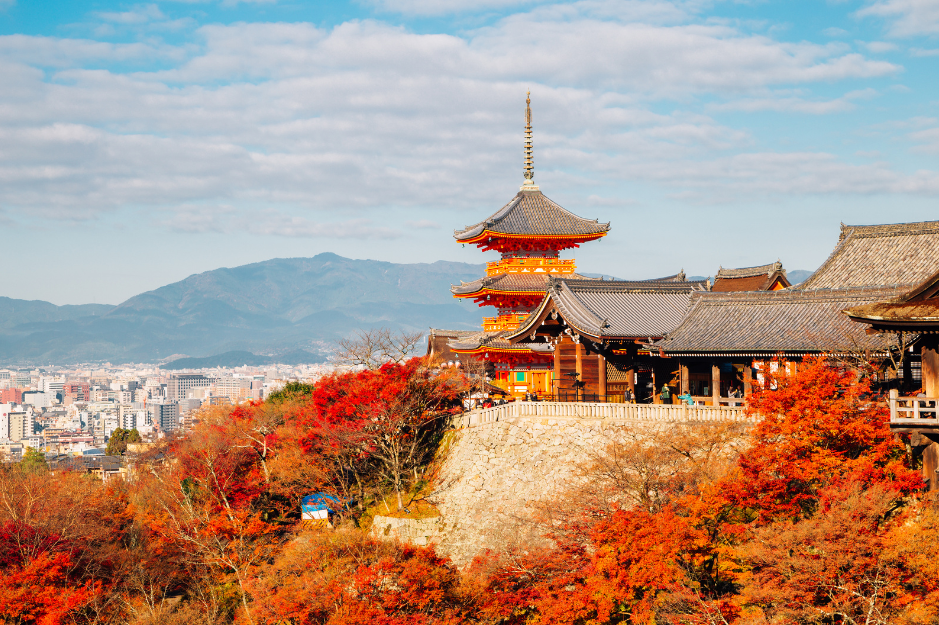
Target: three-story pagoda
x,y
529,232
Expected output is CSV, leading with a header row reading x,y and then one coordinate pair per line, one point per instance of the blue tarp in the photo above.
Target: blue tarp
x,y
320,501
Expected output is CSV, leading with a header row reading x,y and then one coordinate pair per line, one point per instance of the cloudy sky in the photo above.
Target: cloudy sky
x,y
141,143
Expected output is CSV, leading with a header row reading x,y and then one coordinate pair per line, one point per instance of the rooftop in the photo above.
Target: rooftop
x,y
881,255
761,278
530,213
765,323
615,308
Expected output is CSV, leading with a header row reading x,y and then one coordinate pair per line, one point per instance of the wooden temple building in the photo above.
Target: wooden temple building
x,y
726,338
770,277
567,337
915,313
529,232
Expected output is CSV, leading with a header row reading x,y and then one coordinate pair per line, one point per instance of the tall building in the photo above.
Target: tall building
x,y
178,386
165,415
529,232
11,396
21,425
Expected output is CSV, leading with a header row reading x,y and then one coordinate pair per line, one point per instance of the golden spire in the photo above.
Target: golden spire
x,y
529,161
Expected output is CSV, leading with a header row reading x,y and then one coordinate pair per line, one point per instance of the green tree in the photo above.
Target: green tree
x,y
117,442
292,390
34,461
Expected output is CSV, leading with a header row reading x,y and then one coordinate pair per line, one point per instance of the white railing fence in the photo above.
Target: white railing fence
x,y
913,410
586,410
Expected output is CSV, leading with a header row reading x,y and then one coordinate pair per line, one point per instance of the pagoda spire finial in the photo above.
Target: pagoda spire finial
x,y
529,169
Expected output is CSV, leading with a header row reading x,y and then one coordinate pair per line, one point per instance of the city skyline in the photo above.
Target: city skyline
x,y
144,142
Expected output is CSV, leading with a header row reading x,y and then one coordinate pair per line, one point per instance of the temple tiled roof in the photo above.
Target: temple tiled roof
x,y
758,278
884,255
764,323
916,310
438,342
616,308
531,213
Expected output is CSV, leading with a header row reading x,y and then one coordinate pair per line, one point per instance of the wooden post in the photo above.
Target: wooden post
x,y
715,385
747,380
930,366
930,464
556,382
579,354
631,382
601,364
685,382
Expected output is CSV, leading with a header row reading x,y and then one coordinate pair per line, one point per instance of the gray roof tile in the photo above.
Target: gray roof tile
x,y
771,322
883,255
530,212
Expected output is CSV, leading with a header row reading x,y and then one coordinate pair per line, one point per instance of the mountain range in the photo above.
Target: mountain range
x,y
272,307
287,310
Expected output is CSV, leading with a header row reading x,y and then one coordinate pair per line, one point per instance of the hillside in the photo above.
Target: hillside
x,y
272,307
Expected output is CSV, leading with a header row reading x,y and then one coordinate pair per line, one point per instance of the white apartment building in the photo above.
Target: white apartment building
x,y
179,386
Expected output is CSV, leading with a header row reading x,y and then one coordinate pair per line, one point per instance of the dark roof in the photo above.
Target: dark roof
x,y
758,278
771,322
615,308
884,255
530,212
514,282
438,342
916,310
494,340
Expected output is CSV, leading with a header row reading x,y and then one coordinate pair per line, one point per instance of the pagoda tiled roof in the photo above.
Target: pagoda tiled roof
x,y
492,340
615,308
765,323
510,282
881,255
532,213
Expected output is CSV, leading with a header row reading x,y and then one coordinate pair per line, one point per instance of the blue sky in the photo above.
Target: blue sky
x,y
143,142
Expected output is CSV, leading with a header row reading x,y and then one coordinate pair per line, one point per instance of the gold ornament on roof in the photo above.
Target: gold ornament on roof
x,y
529,169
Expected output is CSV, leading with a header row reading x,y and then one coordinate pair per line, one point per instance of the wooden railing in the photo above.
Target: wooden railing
x,y
913,411
571,410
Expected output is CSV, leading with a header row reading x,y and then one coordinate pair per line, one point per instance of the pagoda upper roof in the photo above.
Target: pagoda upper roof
x,y
531,213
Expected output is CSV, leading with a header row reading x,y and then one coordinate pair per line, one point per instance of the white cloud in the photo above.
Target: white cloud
x,y
879,47
338,122
445,7
924,52
423,224
798,105
906,18
202,219
138,15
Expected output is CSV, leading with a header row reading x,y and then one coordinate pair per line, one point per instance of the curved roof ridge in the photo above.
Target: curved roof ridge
x,y
747,272
533,213
879,255
885,230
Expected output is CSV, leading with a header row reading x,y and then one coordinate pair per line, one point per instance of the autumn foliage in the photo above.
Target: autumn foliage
x,y
814,515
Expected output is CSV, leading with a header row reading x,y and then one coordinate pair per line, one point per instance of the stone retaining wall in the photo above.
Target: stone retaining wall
x,y
495,471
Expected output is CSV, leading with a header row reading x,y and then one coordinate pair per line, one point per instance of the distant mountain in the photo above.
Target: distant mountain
x,y
240,358
276,306
798,276
14,312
